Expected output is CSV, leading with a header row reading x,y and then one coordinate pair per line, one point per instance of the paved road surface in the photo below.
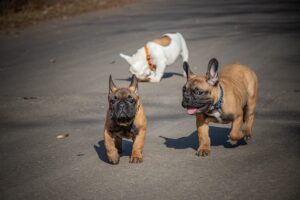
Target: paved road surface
x,y
64,66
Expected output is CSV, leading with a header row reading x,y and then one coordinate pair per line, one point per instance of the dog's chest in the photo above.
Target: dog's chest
x,y
127,132
218,116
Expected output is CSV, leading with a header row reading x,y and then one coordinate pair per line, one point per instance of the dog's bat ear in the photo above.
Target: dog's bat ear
x,y
127,58
134,84
186,68
212,71
112,87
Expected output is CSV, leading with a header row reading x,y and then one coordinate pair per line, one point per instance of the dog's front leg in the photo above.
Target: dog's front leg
x,y
160,69
203,136
138,145
118,144
110,147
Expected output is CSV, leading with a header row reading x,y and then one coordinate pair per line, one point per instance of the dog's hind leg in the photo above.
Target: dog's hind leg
x,y
249,117
250,108
184,52
235,133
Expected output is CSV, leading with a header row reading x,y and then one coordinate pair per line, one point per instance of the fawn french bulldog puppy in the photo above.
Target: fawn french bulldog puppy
x,y
228,96
125,119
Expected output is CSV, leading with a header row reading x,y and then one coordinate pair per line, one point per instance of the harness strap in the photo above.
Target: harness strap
x,y
218,104
151,65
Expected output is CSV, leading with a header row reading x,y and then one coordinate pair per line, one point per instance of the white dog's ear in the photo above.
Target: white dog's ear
x,y
127,58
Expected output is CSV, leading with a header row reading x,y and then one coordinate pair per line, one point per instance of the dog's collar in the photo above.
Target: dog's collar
x,y
218,104
151,65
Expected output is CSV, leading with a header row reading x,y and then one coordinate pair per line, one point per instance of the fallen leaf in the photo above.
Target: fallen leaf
x,y
62,136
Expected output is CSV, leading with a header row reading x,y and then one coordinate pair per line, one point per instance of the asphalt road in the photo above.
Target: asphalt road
x,y
54,80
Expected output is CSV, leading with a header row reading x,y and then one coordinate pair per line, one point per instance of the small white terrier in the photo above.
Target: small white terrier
x,y
150,61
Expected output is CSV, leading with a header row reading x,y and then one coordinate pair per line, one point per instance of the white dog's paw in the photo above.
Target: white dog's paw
x,y
154,80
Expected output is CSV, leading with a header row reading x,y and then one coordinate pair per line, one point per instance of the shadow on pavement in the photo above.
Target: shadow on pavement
x,y
170,74
218,136
100,150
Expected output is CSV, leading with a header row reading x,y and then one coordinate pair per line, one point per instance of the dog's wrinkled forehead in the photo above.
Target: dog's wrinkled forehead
x,y
198,82
123,93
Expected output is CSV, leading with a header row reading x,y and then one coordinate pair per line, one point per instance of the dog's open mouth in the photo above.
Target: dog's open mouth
x,y
195,110
192,110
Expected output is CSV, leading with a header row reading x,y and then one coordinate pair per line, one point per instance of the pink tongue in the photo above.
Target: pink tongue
x,y
192,111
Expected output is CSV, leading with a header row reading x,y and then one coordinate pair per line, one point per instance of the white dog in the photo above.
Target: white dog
x,y
150,61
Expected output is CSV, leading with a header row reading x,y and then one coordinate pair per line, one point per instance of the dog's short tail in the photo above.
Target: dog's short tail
x,y
184,51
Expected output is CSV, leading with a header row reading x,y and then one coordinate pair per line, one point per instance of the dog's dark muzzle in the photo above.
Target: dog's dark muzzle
x,y
123,117
123,112
202,102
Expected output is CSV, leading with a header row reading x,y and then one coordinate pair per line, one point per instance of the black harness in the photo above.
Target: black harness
x,y
215,110
131,128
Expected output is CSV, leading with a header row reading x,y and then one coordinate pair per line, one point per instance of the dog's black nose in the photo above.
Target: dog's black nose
x,y
123,117
121,105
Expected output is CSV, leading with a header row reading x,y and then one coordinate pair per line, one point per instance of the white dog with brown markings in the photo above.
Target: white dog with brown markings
x,y
150,61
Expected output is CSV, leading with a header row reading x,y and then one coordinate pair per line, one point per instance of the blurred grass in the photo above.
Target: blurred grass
x,y
19,13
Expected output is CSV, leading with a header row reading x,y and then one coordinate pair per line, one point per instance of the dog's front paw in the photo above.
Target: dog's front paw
x,y
115,159
136,160
203,152
247,137
147,79
155,79
246,134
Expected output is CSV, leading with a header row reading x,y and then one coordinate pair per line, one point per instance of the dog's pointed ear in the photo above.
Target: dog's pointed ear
x,y
112,87
134,84
127,58
186,68
212,72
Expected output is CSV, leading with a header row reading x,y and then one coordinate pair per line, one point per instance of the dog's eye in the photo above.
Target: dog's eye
x,y
197,91
113,100
130,99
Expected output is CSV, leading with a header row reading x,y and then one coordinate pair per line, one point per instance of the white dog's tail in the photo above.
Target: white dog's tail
x,y
184,51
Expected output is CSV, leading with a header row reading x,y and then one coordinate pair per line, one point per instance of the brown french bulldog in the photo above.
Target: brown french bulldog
x,y
228,96
125,119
